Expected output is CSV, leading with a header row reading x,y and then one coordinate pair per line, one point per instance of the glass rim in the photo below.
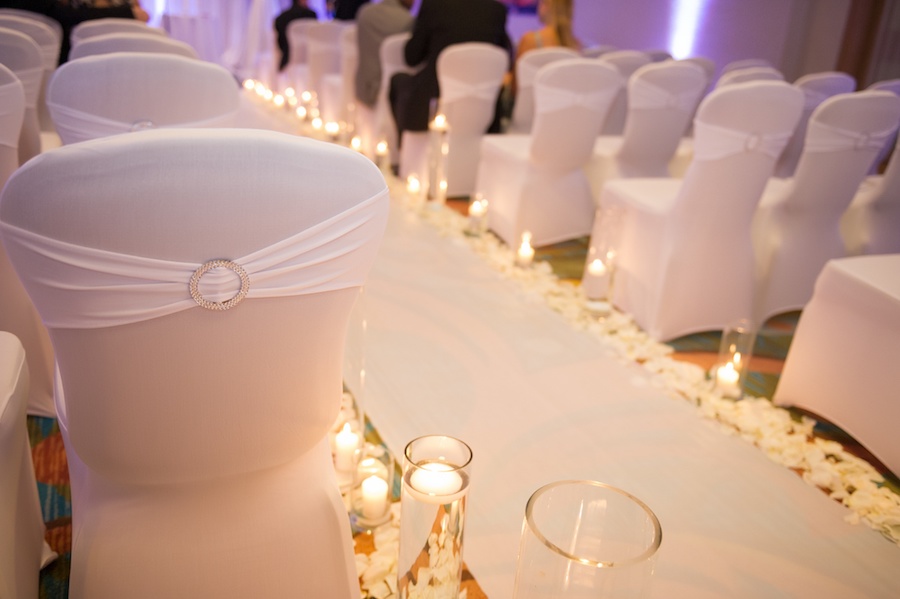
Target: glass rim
x,y
648,553
408,449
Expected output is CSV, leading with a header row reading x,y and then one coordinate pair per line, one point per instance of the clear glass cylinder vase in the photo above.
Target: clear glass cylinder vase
x,y
434,488
583,539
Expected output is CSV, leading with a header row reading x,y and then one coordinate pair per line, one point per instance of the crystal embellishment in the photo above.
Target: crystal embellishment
x,y
194,285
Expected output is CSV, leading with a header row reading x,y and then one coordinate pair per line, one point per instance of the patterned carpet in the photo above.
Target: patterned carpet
x,y
567,260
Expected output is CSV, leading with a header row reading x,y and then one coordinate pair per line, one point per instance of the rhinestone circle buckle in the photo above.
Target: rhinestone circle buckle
x,y
194,285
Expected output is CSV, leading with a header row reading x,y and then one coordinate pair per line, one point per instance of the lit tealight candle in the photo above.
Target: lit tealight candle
x,y
440,122
436,481
268,95
477,212
301,112
374,497
317,124
356,143
346,443
381,148
525,253
249,84
306,97
278,100
728,379
289,92
381,156
332,129
595,281
413,185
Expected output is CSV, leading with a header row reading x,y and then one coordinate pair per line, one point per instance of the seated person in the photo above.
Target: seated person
x,y
556,16
439,24
375,22
299,10
345,10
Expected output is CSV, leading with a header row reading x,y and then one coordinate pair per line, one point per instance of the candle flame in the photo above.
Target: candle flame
x,y
356,143
381,148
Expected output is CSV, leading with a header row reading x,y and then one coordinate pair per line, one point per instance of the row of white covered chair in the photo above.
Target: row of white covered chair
x,y
686,258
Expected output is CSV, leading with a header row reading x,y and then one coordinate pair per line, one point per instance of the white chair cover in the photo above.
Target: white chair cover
x,y
298,60
749,74
323,56
470,76
21,523
893,86
151,90
338,97
17,313
598,50
707,64
796,226
27,14
21,54
200,436
131,42
526,69
378,123
537,183
95,27
627,62
816,87
745,63
684,252
49,41
842,361
871,224
662,99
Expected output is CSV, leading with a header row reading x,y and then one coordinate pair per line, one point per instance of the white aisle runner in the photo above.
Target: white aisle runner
x,y
452,348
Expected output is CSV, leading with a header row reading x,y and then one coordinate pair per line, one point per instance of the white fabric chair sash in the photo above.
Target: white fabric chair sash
x,y
77,125
712,142
31,81
551,99
84,287
827,138
644,95
454,89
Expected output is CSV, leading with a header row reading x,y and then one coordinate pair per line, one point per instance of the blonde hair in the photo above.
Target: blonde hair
x,y
559,17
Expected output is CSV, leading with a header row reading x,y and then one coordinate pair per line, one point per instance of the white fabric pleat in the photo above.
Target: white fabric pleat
x,y
644,95
826,138
551,99
454,89
81,287
712,142
76,125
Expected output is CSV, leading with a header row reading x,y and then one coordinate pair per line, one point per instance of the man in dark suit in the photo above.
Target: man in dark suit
x,y
299,10
441,23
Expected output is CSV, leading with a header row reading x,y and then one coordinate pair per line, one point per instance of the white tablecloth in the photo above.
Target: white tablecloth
x,y
452,348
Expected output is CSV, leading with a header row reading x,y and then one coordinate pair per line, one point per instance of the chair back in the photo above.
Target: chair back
x,y
12,115
893,86
871,222
121,92
20,514
470,76
94,27
662,100
845,134
658,55
18,315
349,64
323,52
571,98
745,63
626,62
816,88
48,39
21,54
131,42
749,74
739,132
598,50
526,69
392,62
197,285
708,66
297,41
36,16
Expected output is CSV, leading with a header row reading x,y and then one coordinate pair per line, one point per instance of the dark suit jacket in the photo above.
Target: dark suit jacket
x,y
441,23
281,23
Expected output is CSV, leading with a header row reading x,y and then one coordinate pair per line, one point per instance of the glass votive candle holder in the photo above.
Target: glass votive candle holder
x,y
434,488
346,444
730,371
370,498
583,539
477,223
